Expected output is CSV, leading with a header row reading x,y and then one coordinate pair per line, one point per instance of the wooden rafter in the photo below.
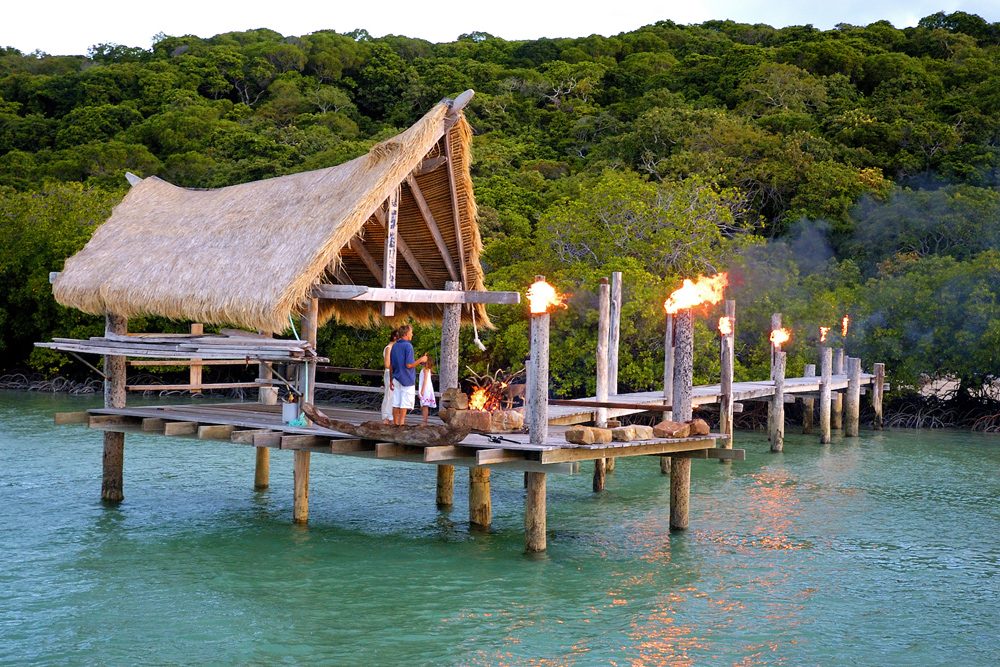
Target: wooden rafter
x,y
432,226
359,248
362,293
404,250
391,236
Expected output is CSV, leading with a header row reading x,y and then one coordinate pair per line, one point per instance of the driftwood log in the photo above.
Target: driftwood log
x,y
420,436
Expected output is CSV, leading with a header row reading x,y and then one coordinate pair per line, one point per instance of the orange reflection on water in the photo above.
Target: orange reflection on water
x,y
773,504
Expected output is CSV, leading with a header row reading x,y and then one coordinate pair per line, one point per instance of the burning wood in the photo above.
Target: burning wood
x,y
484,409
823,331
779,337
541,295
490,392
704,290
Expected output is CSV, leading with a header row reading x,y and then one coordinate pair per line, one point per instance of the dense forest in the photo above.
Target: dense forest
x,y
848,171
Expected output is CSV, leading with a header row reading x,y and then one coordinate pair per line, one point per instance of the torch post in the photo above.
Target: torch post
x,y
838,397
727,347
852,400
668,380
808,404
538,430
450,330
878,392
680,468
825,365
776,433
775,325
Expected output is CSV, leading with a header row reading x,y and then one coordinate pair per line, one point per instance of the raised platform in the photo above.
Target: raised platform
x,y
261,426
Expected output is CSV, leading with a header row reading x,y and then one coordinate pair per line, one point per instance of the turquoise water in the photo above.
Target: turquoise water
x,y
881,550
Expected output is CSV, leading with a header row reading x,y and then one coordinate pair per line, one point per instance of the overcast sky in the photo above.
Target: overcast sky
x,y
62,27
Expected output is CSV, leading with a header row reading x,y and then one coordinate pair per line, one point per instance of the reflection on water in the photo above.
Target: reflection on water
x,y
878,550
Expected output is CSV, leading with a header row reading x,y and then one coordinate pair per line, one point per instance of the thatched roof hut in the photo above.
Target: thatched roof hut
x,y
250,254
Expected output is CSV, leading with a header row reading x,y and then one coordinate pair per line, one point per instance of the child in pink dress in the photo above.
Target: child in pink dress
x,y
425,391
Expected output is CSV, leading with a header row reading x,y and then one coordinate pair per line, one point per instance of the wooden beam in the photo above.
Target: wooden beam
x,y
432,227
489,456
721,453
359,248
590,453
153,424
215,431
71,417
246,436
267,439
297,442
575,403
389,252
455,214
404,250
430,164
447,453
180,428
363,293
339,446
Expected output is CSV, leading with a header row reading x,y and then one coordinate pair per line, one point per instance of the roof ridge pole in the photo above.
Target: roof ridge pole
x,y
456,217
389,263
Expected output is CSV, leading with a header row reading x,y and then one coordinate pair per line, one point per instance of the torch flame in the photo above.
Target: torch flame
x,y
696,292
541,295
823,331
725,326
844,324
779,336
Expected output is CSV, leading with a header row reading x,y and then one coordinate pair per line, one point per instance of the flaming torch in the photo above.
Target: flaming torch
x,y
541,296
725,326
776,415
844,323
779,337
823,331
727,330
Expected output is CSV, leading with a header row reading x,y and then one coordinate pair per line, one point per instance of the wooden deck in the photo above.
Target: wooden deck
x,y
261,426
801,387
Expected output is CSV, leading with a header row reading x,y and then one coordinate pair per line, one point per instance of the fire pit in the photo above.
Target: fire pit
x,y
490,407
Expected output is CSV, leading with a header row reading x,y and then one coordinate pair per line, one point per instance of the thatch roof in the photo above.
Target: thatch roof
x,y
249,254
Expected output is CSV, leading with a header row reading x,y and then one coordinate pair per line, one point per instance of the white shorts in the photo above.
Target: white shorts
x,y
402,397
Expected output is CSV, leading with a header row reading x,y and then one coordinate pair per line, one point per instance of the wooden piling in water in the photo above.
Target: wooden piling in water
x,y
307,385
826,370
113,457
680,468
878,393
852,400
808,404
534,513
603,338
448,378
195,369
262,455
727,347
480,503
838,397
775,324
777,414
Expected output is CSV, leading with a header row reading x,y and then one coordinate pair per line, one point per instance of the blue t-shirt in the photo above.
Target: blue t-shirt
x,y
401,355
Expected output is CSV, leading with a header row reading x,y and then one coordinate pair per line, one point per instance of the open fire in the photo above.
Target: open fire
x,y
823,331
704,290
779,337
725,325
541,295
844,323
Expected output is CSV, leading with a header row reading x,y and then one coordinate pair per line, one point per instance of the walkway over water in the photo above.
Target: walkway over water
x,y
709,394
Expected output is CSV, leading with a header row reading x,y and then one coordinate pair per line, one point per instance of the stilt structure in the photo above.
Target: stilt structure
x,y
615,333
535,540
307,389
808,404
113,461
775,325
838,397
538,424
825,398
727,360
777,413
668,380
878,392
852,399
680,468
603,334
266,395
448,378
480,502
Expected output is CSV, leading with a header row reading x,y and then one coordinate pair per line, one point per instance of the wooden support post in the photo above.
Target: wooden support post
x,y
480,505
195,370
603,333
538,374
448,378
808,404
852,400
307,384
777,414
826,370
615,333
727,348
265,396
838,397
113,459
389,252
775,324
668,380
534,513
680,468
878,392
